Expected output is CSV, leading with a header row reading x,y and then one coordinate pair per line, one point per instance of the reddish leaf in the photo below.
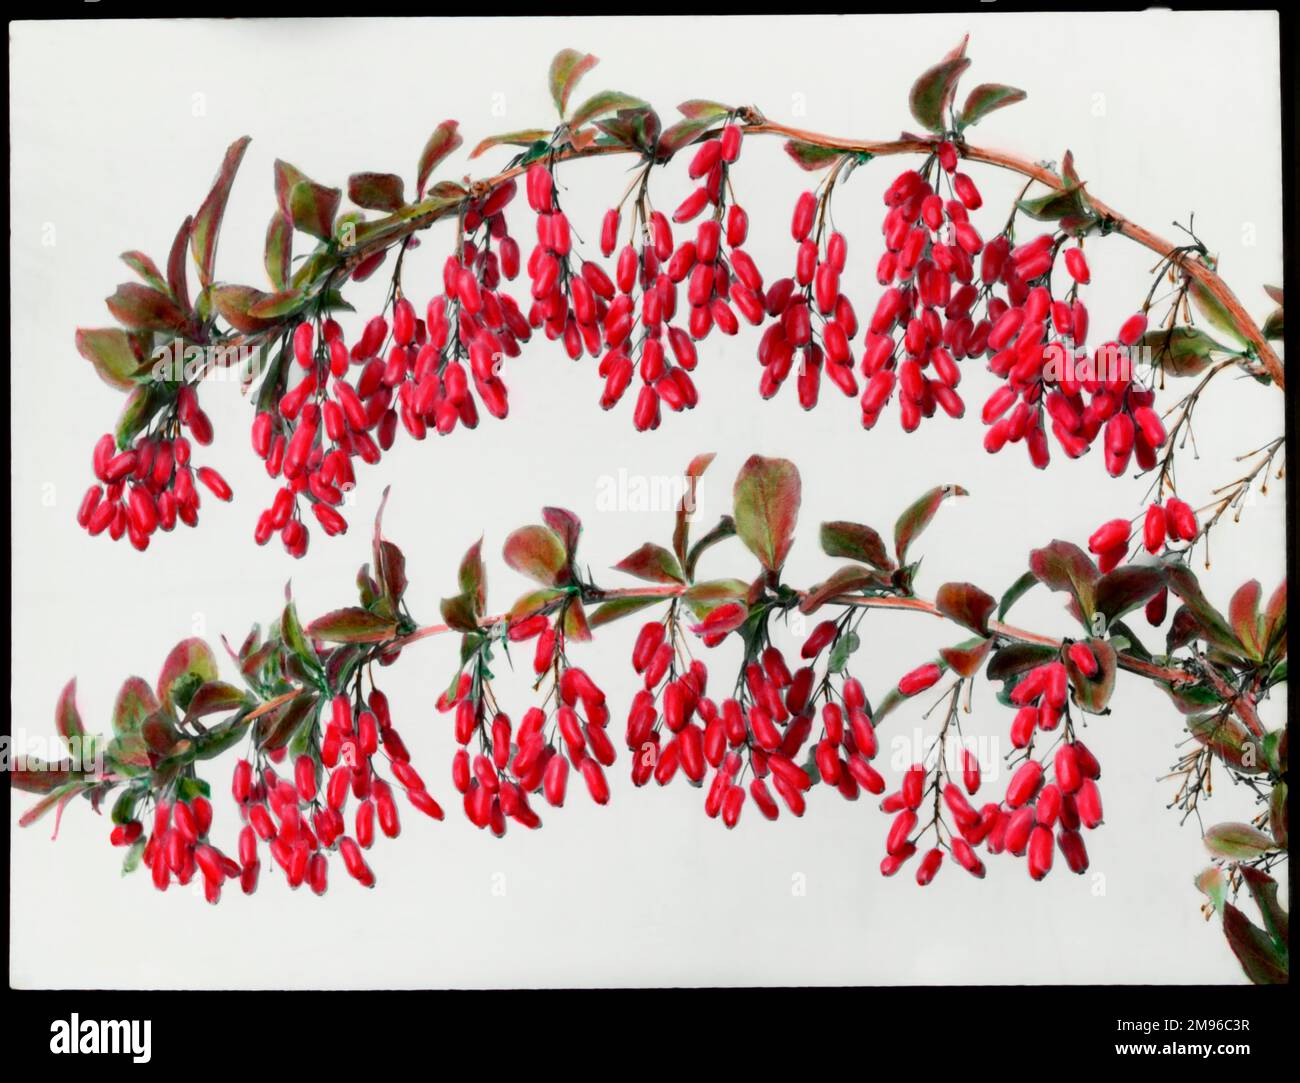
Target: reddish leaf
x,y
686,506
472,578
599,105
351,625
1238,842
135,703
525,138
966,604
445,139
1243,612
189,664
567,525
653,563
575,622
811,156
1125,588
1093,693
36,776
376,191
1262,962
917,517
767,496
700,109
856,542
140,308
1063,566
966,658
537,552
985,98
617,608
207,222
177,278
1210,622
568,67
68,719
311,207
111,351
532,602
932,93
846,580
703,598
682,134
147,270
235,303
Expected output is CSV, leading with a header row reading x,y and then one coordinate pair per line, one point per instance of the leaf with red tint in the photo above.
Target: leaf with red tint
x,y
1063,566
311,207
686,506
445,139
67,718
568,67
235,305
177,278
856,542
599,105
767,496
653,563
617,608
966,658
1243,613
917,517
537,552
351,625
811,156
140,308
846,580
567,525
575,622
135,702
985,98
525,138
1210,622
189,664
207,222
1262,962
376,191
934,90
278,252
1093,693
703,598
111,351
966,604
472,578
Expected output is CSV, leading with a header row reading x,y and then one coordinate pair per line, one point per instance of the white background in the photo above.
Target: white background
x,y
116,131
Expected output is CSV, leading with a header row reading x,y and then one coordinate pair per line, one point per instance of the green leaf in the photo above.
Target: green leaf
x,y
207,222
1228,739
275,305
985,98
177,278
533,602
134,854
294,637
653,563
537,552
311,207
845,645
1069,202
140,308
617,608
472,578
1125,588
1237,841
36,776
576,628
111,351
278,253
140,407
1213,885
766,497
459,613
918,516
1063,566
966,604
525,138
1182,351
376,191
567,69
446,138
567,526
213,697
1015,592
1017,658
147,270
934,90
811,156
352,625
1213,310
599,105
189,664
1262,962
856,542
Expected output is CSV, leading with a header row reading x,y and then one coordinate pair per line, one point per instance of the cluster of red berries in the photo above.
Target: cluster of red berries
x,y
812,317
150,486
1022,823
673,724
300,823
1163,524
178,846
511,764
